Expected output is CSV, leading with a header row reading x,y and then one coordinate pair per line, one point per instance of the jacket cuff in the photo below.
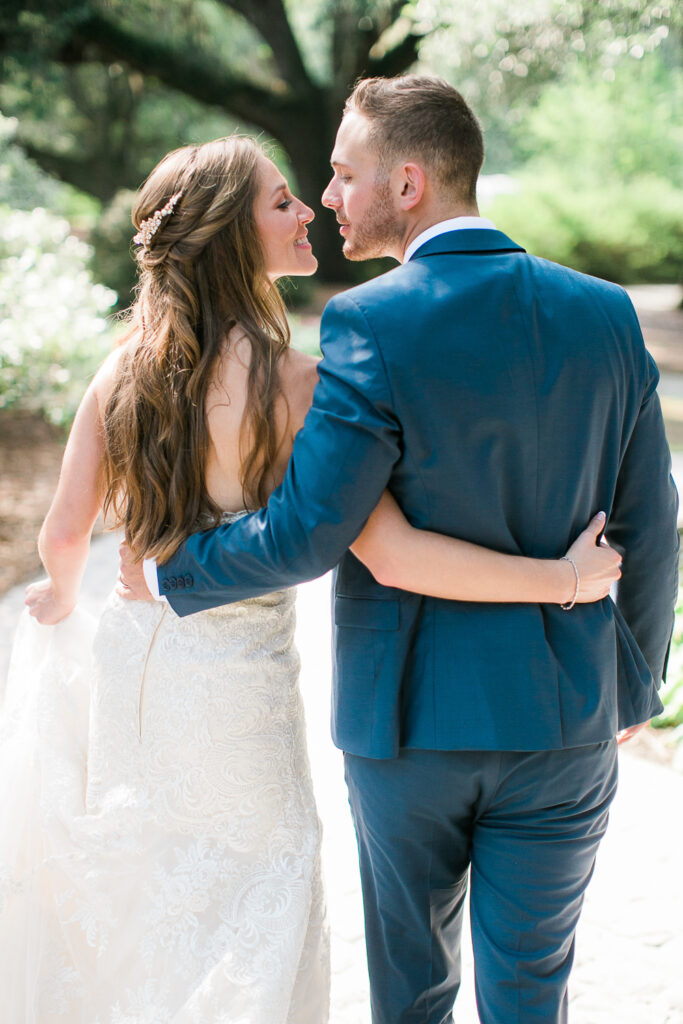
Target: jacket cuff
x,y
149,568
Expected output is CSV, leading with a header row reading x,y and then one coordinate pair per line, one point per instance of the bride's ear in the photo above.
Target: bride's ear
x,y
410,185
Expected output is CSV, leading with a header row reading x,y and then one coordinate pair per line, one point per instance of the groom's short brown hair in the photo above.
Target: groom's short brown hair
x,y
424,118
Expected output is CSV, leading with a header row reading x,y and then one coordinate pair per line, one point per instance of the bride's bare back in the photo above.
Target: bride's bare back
x,y
225,405
226,402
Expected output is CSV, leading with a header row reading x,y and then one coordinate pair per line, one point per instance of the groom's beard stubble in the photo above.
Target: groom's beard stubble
x,y
379,233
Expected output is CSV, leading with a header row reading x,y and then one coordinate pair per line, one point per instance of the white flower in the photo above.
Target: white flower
x,y
53,327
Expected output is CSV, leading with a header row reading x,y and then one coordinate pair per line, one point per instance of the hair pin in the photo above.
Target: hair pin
x,y
150,226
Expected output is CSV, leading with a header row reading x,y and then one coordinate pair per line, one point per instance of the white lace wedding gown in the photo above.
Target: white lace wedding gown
x,y
159,842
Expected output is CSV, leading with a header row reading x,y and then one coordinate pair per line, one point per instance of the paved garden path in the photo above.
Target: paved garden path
x,y
630,943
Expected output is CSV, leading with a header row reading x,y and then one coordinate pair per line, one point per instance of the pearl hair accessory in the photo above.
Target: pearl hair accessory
x,y
150,226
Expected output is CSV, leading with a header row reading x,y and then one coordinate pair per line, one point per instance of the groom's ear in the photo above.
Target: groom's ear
x,y
411,185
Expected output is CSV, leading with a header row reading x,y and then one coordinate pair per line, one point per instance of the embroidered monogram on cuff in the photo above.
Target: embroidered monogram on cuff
x,y
185,582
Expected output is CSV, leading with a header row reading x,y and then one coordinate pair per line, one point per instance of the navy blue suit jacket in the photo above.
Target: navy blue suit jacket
x,y
503,399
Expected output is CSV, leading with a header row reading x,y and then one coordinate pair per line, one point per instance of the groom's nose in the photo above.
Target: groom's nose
x,y
330,198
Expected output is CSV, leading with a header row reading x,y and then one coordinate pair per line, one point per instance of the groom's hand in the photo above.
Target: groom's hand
x,y
131,584
627,734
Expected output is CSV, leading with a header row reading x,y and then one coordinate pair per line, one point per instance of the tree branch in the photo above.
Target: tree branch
x,y
351,45
395,10
191,74
398,59
86,173
357,28
269,18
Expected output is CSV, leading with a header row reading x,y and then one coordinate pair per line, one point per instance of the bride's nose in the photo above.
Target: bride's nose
x,y
305,214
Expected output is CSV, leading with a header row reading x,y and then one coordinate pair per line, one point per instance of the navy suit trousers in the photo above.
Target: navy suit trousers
x,y
527,825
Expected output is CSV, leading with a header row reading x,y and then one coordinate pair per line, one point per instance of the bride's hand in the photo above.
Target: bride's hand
x,y
598,564
44,605
132,584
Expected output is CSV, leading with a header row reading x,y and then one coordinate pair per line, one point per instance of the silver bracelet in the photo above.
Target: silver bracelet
x,y
570,604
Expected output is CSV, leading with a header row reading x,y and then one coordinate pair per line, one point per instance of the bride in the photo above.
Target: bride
x,y
159,843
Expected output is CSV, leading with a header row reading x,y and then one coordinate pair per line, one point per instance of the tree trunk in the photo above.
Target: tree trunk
x,y
309,140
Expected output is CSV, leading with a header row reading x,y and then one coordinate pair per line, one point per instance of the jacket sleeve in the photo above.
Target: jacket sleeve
x,y
340,464
643,526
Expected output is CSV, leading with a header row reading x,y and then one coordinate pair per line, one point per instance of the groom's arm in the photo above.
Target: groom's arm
x,y
643,526
340,465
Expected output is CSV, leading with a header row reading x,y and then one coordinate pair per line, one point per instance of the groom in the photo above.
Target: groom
x,y
503,399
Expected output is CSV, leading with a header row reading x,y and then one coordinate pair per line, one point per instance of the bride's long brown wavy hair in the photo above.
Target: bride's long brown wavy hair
x,y
201,273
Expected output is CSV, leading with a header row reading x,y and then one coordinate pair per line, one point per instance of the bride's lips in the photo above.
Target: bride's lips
x,y
302,243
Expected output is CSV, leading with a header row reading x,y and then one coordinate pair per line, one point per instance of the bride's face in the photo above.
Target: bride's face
x,y
281,221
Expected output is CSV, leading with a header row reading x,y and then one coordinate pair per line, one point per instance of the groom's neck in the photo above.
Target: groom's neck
x,y
427,218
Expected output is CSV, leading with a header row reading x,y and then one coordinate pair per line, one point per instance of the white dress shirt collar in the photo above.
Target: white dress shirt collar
x,y
454,224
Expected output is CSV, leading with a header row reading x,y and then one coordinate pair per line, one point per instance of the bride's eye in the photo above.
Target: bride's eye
x,y
284,204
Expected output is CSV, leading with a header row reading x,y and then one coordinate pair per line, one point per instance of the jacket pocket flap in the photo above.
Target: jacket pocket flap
x,y
366,613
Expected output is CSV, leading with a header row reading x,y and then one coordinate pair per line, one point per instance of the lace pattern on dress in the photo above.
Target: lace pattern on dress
x,y
159,841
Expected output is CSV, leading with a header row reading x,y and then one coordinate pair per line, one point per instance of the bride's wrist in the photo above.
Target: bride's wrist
x,y
64,598
566,581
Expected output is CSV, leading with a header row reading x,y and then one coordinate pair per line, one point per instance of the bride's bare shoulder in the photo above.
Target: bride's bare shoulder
x,y
104,379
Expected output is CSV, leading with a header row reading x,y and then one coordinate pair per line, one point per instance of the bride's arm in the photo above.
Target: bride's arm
x,y
64,539
399,555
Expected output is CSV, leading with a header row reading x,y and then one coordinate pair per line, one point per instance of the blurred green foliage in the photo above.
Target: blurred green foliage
x,y
23,185
623,126
628,232
305,333
111,239
102,128
503,57
581,103
601,186
53,327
